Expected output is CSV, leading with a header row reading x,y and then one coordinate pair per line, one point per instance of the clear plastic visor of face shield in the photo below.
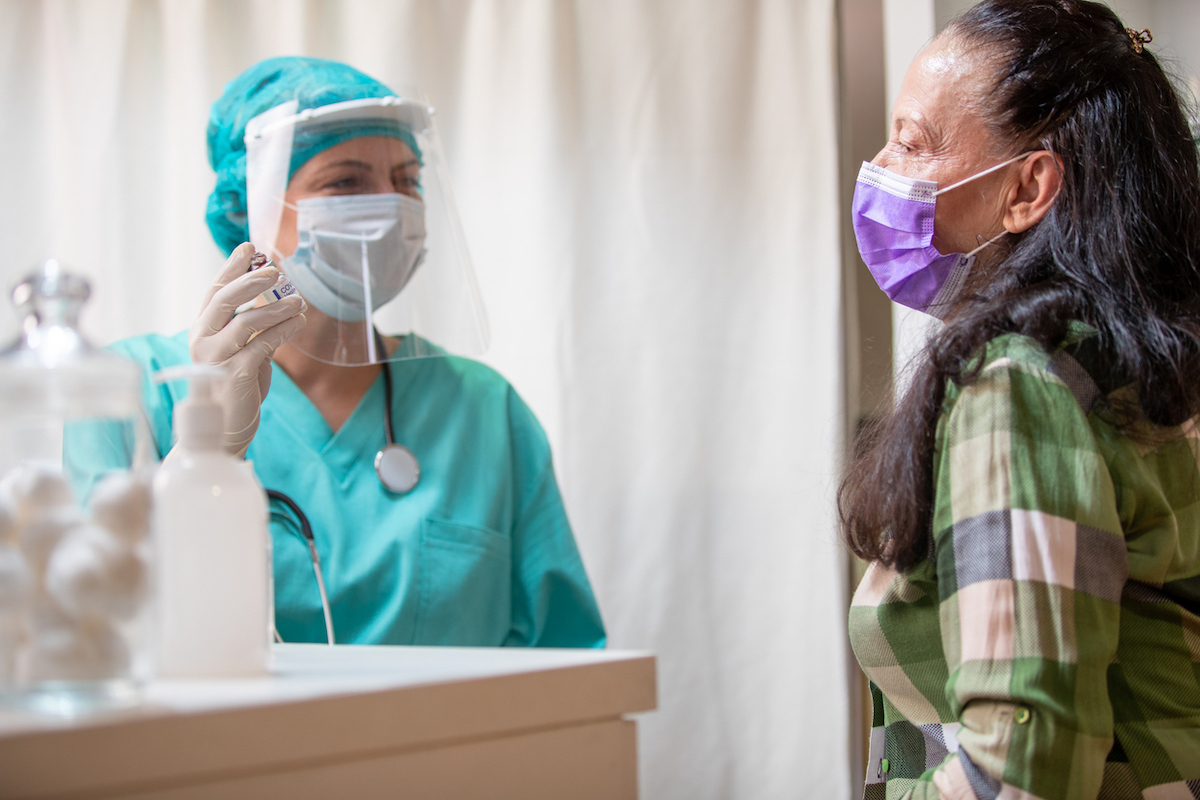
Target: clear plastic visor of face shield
x,y
366,229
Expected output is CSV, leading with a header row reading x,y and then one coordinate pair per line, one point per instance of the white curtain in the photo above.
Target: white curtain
x,y
649,190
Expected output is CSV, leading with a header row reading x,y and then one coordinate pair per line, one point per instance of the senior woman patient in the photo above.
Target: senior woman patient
x,y
1030,508
331,172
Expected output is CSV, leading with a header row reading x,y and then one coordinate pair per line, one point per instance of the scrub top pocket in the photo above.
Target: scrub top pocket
x,y
466,585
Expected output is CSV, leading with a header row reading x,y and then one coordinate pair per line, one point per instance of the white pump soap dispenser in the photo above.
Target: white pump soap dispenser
x,y
214,586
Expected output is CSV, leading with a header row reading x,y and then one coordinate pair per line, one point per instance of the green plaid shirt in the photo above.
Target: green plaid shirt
x,y
1050,646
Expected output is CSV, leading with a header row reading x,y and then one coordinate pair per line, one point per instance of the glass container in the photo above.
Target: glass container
x,y
75,467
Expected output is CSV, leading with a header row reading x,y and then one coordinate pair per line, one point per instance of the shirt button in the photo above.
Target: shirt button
x,y
1022,715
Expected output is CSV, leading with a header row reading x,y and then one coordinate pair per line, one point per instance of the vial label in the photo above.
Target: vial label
x,y
282,288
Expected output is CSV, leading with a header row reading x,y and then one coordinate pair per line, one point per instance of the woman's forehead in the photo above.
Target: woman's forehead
x,y
376,151
943,90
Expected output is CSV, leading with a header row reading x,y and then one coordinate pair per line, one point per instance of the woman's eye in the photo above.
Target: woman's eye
x,y
406,181
342,184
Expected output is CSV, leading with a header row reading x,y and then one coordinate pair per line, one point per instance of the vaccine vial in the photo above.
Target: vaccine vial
x,y
282,288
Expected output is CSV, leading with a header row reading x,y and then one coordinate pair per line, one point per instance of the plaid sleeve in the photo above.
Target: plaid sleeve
x,y
1031,561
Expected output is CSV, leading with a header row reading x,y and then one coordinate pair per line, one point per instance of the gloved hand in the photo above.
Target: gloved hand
x,y
243,344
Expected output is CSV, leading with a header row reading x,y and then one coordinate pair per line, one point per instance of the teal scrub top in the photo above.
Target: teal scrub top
x,y
479,553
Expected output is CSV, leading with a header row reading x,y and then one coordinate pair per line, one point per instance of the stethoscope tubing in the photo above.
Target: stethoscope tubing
x,y
307,534
389,434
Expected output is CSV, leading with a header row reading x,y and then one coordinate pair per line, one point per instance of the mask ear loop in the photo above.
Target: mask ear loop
x,y
987,171
276,255
991,241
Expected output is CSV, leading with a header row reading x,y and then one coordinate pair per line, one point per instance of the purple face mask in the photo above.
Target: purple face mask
x,y
893,222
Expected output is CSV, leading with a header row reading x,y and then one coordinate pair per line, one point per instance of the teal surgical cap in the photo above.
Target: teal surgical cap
x,y
312,82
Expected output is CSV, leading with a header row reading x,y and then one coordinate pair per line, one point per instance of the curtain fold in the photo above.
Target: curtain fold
x,y
649,190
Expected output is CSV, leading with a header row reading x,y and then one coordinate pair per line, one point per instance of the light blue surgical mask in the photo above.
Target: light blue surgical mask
x,y
355,252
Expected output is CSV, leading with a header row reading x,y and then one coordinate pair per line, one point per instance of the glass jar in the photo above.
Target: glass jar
x,y
75,467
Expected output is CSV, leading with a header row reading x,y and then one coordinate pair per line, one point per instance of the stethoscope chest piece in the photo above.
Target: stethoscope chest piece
x,y
397,468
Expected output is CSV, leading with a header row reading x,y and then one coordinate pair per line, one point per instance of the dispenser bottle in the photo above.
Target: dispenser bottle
x,y
214,577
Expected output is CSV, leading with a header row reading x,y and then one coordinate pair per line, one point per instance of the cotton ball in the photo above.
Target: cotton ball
x,y
45,509
92,574
36,487
8,489
121,503
43,531
9,529
87,650
15,580
15,586
45,613
12,635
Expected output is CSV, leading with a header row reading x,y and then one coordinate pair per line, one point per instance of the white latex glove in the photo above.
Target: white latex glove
x,y
243,344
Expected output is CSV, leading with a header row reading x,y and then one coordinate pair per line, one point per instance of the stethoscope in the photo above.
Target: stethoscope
x,y
398,471
396,466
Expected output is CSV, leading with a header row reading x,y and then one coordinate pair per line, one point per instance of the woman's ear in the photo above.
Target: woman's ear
x,y
1039,182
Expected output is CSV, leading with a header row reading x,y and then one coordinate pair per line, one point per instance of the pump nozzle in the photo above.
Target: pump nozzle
x,y
200,419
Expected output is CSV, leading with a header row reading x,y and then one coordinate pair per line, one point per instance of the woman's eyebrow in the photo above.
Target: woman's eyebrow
x,y
346,162
917,123
412,162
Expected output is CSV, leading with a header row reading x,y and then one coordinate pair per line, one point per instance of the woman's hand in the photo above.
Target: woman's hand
x,y
243,344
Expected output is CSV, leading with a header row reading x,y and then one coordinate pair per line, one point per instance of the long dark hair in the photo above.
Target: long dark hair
x,y
1119,249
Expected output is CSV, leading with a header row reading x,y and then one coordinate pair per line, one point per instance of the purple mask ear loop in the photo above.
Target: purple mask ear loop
x,y
987,171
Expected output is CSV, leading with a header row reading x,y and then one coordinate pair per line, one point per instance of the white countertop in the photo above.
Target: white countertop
x,y
323,702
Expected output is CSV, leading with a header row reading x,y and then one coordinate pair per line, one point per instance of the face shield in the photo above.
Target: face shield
x,y
352,202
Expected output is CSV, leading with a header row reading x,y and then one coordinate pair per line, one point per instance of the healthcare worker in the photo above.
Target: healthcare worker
x,y
427,483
